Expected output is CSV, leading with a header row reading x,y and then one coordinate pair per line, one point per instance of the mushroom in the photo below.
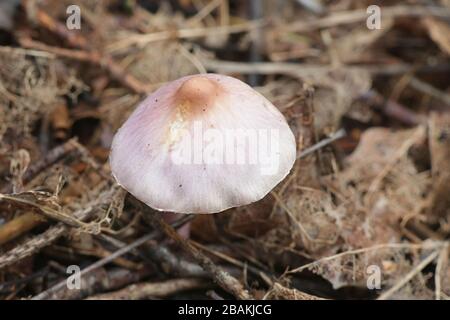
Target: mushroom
x,y
202,144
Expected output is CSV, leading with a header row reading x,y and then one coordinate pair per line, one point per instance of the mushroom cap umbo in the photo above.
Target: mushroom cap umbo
x,y
202,144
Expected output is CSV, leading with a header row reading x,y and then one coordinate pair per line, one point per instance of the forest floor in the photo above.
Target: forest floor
x,y
364,214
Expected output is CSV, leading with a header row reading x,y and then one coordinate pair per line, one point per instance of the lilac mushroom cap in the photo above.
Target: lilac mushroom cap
x,y
202,144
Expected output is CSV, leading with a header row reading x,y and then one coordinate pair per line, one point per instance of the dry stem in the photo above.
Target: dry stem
x,y
223,279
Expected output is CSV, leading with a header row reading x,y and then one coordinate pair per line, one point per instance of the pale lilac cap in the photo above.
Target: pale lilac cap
x,y
202,144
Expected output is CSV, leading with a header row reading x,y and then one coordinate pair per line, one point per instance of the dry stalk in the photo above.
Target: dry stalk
x,y
93,57
44,239
348,17
363,250
280,292
387,294
153,289
51,292
144,39
223,278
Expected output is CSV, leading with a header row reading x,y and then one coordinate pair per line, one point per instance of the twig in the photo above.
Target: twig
x,y
418,134
89,54
47,211
100,263
363,250
430,90
393,109
27,221
26,52
73,38
254,270
335,136
348,17
213,295
44,239
75,54
304,107
278,291
48,294
257,37
153,290
101,280
409,275
91,161
18,226
144,39
443,256
93,57
72,250
298,70
8,286
173,264
204,12
31,246
223,279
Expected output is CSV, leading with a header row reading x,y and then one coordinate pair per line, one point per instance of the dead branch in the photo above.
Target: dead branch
x,y
35,244
93,57
335,136
298,70
394,109
101,280
153,289
60,29
410,275
223,279
18,226
347,17
173,264
279,292
49,293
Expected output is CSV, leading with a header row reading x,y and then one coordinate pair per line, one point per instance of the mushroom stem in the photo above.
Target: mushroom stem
x,y
185,230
